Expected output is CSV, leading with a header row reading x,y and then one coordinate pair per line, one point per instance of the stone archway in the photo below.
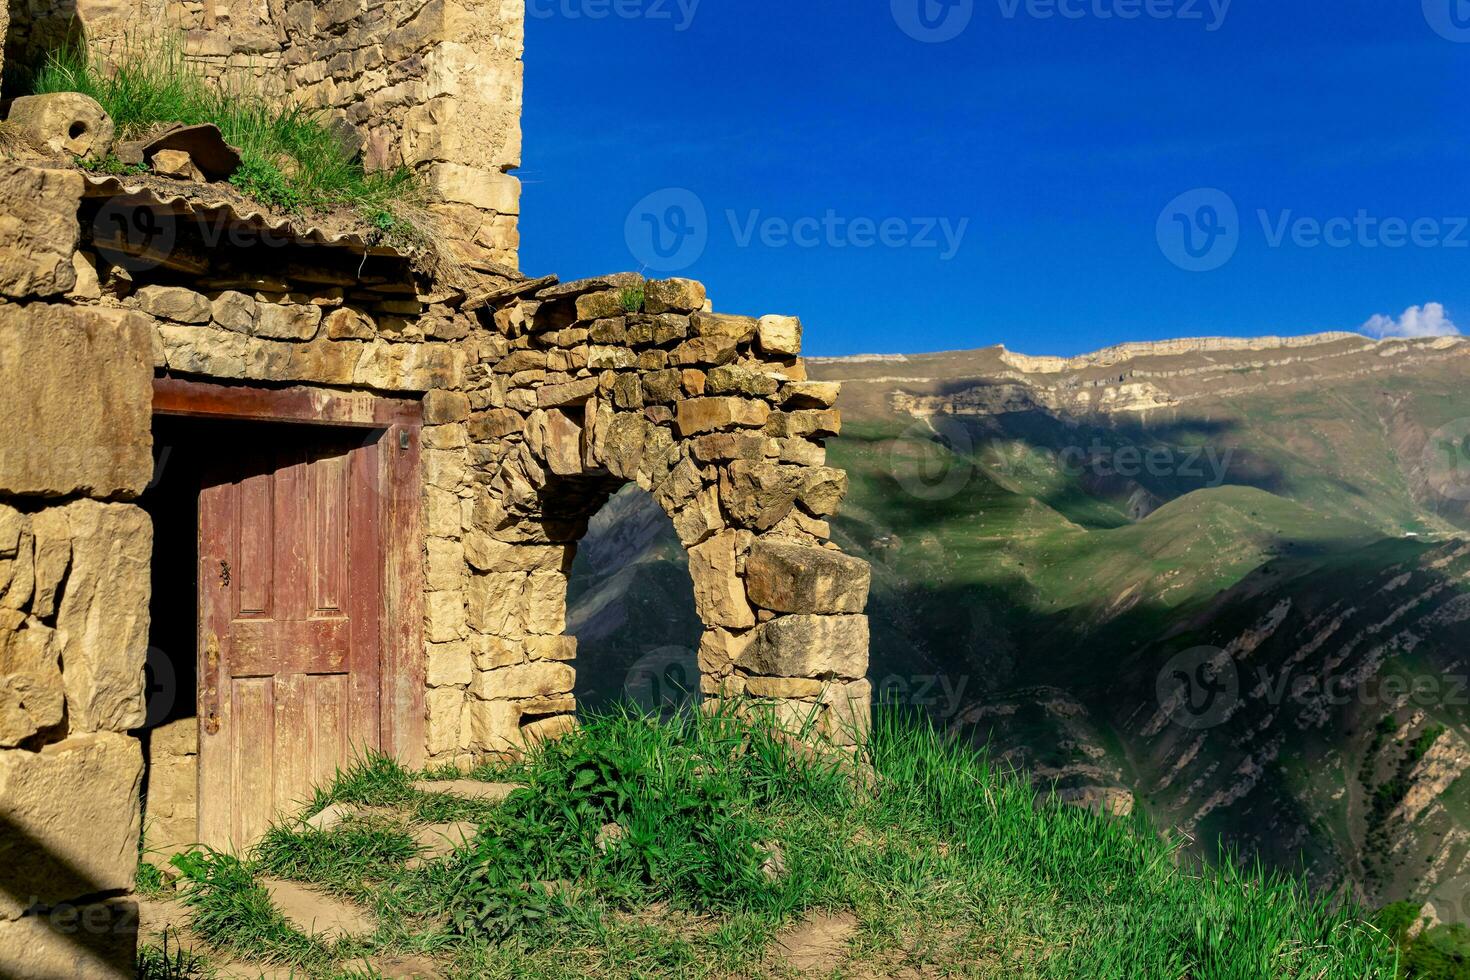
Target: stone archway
x,y
590,385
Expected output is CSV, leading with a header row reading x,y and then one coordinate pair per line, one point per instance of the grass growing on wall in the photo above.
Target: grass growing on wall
x,y
945,866
290,157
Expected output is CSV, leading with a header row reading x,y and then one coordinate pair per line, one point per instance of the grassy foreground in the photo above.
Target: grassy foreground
x,y
291,159
726,836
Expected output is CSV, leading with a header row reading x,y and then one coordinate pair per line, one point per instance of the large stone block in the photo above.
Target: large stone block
x,y
555,438
86,942
489,555
17,559
673,296
696,415
740,329
103,616
38,231
848,719
444,710
488,190
780,335
78,400
795,578
758,494
719,595
69,820
494,726
31,694
536,679
809,646
495,603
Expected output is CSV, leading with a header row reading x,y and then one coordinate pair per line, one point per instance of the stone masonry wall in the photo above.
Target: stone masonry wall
x,y
74,557
586,386
83,329
435,85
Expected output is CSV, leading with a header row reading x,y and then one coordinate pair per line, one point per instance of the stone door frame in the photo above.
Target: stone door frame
x,y
402,678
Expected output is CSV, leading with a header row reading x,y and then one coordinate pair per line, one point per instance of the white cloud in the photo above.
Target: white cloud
x,y
1428,320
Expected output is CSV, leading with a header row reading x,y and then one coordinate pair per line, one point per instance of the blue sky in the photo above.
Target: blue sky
x,y
1029,181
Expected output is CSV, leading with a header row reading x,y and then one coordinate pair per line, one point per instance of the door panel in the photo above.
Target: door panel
x,y
289,593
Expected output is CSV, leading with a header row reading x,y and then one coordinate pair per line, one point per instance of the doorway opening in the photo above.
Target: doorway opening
x,y
630,603
274,615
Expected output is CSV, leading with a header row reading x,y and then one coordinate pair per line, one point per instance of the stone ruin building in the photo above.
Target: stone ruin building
x,y
329,496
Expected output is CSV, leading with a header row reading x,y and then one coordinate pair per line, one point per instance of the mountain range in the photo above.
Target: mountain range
x,y
1217,583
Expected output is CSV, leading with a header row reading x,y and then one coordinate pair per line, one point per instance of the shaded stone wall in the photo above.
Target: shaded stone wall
x,y
434,85
74,554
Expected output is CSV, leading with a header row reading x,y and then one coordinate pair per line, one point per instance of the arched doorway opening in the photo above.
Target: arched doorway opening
x,y
630,604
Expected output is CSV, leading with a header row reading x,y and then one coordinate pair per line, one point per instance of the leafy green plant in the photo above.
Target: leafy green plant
x,y
632,299
148,880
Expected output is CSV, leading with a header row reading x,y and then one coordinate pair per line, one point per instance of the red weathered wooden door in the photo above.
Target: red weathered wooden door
x,y
289,648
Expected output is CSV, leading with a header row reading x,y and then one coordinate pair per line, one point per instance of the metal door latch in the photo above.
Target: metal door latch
x,y
224,574
210,706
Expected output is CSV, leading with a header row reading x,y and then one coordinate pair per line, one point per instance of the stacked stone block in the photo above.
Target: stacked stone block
x,y
586,386
74,574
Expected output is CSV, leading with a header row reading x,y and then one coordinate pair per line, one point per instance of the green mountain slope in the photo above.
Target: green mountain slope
x,y
1219,582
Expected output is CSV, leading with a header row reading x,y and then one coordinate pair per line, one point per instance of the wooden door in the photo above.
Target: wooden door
x,y
289,666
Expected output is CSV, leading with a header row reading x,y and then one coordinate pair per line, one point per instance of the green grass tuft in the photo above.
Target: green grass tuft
x,y
235,915
290,157
642,847
169,960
